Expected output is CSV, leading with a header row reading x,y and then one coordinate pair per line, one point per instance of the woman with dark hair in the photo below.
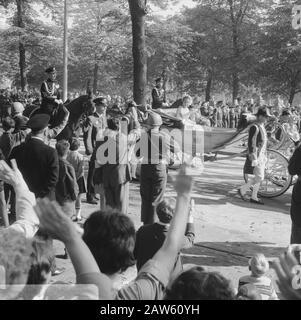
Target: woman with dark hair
x,y
110,237
197,284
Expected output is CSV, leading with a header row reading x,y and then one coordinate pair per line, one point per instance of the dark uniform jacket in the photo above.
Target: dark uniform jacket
x,y
39,165
49,93
255,143
158,98
150,238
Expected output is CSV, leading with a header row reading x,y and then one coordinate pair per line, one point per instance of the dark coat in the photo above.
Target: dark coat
x,y
150,238
39,165
255,142
66,188
295,169
158,98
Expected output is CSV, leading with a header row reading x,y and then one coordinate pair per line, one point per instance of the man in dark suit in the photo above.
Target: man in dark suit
x,y
38,162
150,238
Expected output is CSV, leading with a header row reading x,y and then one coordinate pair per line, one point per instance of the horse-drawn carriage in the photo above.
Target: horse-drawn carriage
x,y
232,143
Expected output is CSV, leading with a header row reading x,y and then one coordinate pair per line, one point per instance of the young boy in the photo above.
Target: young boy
x,y
150,238
259,266
77,161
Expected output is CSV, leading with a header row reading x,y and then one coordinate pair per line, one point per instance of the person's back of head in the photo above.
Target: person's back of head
x,y
42,260
197,284
8,124
110,237
62,148
15,257
259,265
166,209
74,144
113,124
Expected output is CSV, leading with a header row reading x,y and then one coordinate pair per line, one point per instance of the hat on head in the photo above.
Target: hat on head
x,y
159,79
100,101
17,107
50,70
265,112
38,122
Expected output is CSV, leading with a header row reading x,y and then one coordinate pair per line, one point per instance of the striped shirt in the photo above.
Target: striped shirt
x,y
263,284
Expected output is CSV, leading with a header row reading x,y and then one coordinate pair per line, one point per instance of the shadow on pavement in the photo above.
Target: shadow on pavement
x,y
228,254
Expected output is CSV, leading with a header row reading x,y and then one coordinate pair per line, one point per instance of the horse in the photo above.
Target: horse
x,y
78,109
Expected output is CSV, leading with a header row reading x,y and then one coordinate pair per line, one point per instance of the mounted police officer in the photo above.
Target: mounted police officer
x,y
158,95
256,158
51,97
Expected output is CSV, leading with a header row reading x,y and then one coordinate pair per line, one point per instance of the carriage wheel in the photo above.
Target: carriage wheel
x,y
277,179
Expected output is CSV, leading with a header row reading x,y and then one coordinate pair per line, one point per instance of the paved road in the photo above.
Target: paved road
x,y
228,230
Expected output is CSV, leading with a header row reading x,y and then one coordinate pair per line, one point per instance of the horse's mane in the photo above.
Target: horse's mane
x,y
77,101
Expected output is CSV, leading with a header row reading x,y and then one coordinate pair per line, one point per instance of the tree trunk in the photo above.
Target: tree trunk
x,y
236,52
293,89
95,77
209,85
138,12
22,51
235,85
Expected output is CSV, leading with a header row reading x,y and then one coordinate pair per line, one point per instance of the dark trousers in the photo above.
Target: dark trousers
x,y
153,179
117,196
90,184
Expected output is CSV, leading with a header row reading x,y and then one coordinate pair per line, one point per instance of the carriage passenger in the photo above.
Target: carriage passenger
x,y
183,112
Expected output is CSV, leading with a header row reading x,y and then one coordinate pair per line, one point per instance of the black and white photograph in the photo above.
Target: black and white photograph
x,y
150,150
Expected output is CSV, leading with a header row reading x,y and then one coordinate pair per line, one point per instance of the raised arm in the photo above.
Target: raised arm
x,y
60,227
27,220
53,133
167,255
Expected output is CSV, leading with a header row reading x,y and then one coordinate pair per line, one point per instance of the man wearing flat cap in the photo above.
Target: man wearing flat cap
x,y
158,95
93,128
256,157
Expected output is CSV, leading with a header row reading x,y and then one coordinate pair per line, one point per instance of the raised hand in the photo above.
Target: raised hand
x,y
54,221
12,176
183,182
289,276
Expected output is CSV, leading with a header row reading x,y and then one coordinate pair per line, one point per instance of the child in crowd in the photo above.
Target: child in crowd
x,y
77,161
150,238
259,266
248,292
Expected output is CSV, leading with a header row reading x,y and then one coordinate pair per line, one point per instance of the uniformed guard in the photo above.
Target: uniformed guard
x,y
153,176
256,157
93,128
51,97
158,95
